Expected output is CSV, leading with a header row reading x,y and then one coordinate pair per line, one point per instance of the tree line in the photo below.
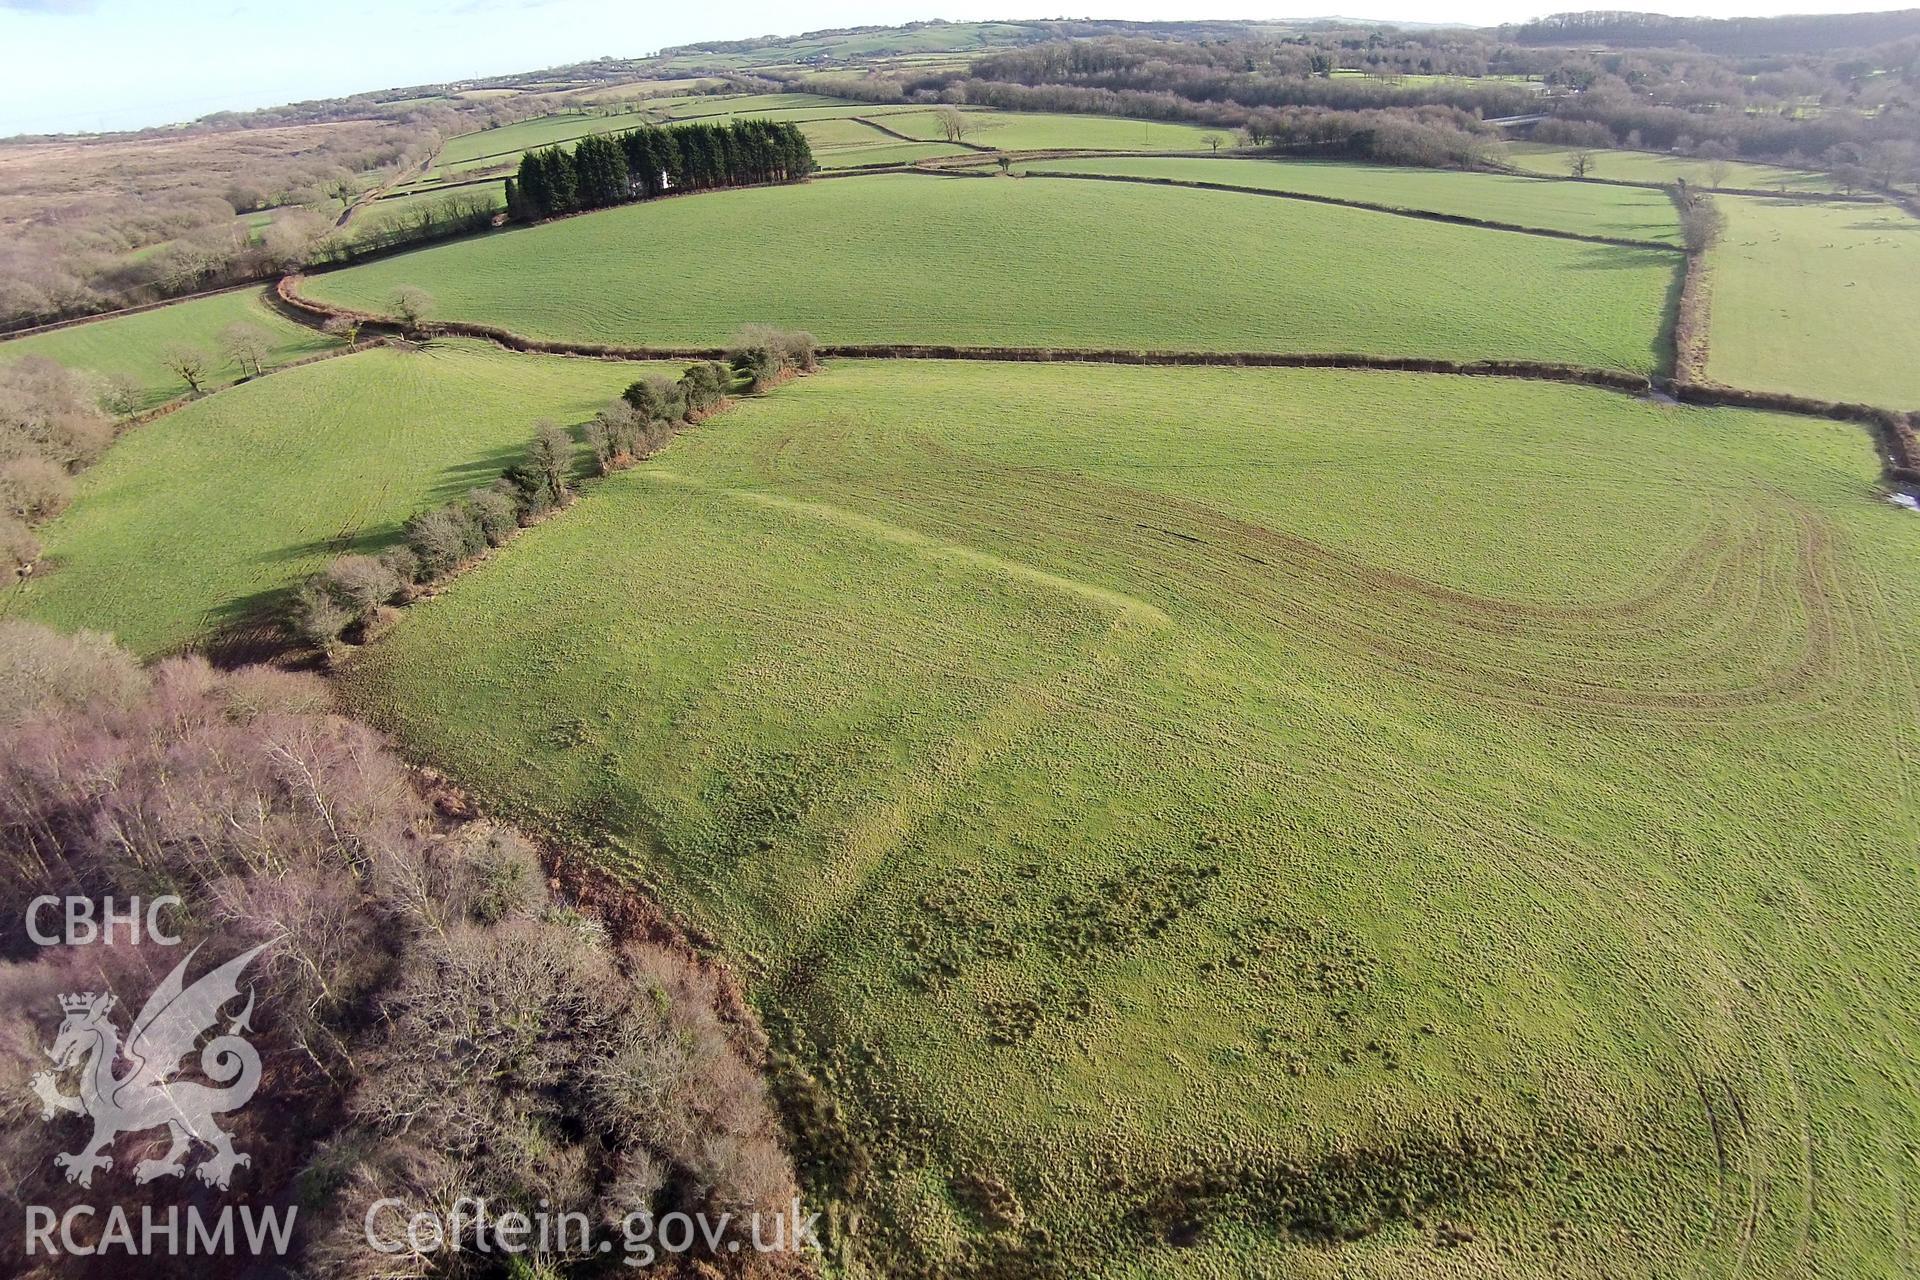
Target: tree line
x,y
1794,34
640,164
1852,111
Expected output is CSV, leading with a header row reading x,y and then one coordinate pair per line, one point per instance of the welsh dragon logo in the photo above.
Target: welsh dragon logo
x,y
147,1096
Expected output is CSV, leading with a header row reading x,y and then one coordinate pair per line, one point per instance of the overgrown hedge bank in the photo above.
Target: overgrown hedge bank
x,y
1701,224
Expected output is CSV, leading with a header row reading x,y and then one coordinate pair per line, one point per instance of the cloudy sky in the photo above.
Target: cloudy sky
x,y
115,64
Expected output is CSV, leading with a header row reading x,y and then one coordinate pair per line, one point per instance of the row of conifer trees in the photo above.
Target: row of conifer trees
x,y
608,169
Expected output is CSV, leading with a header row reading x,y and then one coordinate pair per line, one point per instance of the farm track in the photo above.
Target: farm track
x,y
381,192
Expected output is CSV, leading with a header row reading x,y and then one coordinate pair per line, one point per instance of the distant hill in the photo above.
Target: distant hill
x,y
971,37
1806,33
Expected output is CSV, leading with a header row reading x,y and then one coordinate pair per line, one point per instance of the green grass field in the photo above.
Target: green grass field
x,y
842,143
1624,212
648,91
729,106
1188,823
1227,807
838,139
1042,262
471,154
838,131
1039,131
885,151
500,149
199,521
133,345
1647,166
1818,300
524,135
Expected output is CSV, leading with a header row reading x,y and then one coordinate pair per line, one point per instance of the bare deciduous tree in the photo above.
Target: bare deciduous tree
x,y
120,394
411,304
1719,162
187,363
954,124
550,461
248,346
343,189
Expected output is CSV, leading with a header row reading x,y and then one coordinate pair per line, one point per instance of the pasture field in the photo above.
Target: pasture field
x,y
132,345
1624,212
839,142
197,522
649,91
837,131
1647,166
469,153
1224,822
1817,299
522,135
746,104
1041,131
474,153
1037,262
885,151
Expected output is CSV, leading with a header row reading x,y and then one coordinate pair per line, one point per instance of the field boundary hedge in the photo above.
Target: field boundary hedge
x,y
907,137
178,403
1692,320
1895,432
1400,211
1804,197
1613,379
1894,429
134,310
